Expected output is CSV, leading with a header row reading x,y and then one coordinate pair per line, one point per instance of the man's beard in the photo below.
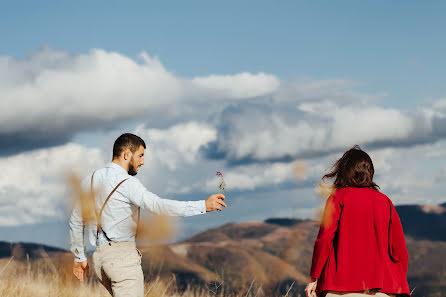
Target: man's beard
x,y
132,170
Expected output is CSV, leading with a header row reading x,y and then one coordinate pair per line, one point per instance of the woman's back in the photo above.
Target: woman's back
x,y
360,245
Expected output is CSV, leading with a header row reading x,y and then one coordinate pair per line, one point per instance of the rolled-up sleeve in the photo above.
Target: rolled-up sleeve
x,y
77,244
145,199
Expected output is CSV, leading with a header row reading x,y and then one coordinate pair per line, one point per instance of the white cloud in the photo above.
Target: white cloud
x,y
411,175
368,125
271,133
265,121
439,104
52,95
34,190
33,185
242,85
97,87
178,144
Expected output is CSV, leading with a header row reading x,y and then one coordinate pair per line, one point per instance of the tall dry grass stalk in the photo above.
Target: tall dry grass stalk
x,y
156,229
300,170
83,198
324,190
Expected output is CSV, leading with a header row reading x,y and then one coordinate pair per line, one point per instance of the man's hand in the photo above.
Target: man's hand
x,y
80,270
310,290
215,202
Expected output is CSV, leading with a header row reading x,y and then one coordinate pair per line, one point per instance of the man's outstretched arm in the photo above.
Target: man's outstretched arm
x,y
150,201
80,266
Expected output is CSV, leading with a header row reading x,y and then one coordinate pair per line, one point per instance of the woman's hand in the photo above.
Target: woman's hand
x,y
310,289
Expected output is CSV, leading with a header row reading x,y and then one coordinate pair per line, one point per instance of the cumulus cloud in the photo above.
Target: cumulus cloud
x,y
439,104
194,127
240,86
177,145
33,184
52,95
407,175
34,189
253,132
412,175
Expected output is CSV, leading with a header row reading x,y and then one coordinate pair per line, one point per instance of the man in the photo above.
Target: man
x,y
118,195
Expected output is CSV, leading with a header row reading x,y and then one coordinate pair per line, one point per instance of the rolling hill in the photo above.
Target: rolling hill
x,y
19,250
273,256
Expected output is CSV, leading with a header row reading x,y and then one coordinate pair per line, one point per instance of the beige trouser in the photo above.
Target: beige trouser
x,y
370,294
118,267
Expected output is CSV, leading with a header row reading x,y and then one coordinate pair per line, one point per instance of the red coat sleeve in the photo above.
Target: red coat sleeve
x,y
324,241
397,244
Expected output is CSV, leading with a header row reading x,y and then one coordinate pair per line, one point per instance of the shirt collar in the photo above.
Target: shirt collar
x,y
116,166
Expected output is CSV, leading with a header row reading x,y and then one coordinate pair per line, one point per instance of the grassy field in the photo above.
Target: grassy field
x,y
43,277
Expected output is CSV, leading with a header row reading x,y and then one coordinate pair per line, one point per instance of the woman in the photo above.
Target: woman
x,y
360,249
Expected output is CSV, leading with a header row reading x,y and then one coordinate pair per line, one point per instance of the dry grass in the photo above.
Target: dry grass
x,y
43,278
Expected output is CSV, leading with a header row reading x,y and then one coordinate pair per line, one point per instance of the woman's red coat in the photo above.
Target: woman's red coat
x,y
360,244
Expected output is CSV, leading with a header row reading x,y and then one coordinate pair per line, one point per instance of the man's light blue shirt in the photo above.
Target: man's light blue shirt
x,y
120,215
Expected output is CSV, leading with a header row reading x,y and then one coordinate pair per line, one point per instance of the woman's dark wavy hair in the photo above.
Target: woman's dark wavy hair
x,y
353,169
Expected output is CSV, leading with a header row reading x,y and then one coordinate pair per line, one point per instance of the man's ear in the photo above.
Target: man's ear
x,y
127,154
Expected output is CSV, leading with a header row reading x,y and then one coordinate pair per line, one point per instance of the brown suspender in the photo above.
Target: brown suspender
x,y
99,216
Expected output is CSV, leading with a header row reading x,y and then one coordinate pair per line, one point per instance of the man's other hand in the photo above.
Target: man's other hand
x,y
215,202
80,270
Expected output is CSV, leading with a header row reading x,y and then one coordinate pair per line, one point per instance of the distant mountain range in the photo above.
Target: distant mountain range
x,y
424,221
275,256
20,250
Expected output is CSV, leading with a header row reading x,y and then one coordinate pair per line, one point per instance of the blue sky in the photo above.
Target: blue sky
x,y
253,89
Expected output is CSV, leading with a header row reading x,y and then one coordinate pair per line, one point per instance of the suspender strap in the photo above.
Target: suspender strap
x,y
92,194
109,195
99,216
137,224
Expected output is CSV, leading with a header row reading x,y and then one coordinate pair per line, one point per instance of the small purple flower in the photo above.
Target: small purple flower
x,y
222,184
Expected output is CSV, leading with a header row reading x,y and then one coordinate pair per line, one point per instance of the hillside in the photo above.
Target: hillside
x,y
424,221
272,256
20,249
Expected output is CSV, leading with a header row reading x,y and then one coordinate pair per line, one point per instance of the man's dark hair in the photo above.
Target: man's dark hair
x,y
127,140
